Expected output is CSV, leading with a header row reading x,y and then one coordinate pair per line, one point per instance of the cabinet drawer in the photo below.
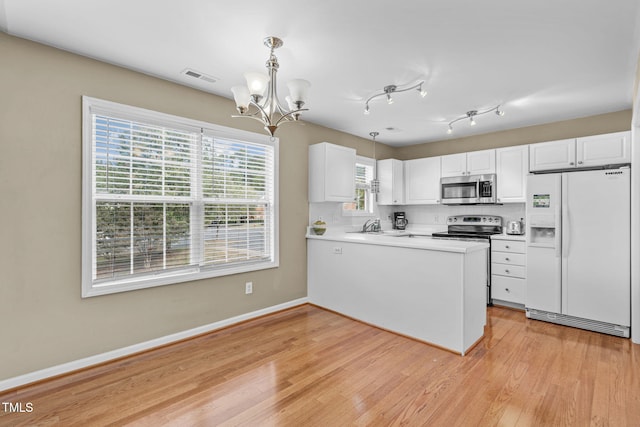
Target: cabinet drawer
x,y
508,246
508,289
508,270
508,258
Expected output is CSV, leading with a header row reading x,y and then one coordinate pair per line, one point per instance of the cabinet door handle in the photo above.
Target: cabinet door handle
x,y
506,270
507,289
506,246
506,258
571,163
580,162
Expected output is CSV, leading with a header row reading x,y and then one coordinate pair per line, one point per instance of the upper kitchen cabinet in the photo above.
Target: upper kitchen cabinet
x,y
472,163
390,173
422,181
608,149
512,167
552,155
598,150
331,173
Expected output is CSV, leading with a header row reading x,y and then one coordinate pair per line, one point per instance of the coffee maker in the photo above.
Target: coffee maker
x,y
399,221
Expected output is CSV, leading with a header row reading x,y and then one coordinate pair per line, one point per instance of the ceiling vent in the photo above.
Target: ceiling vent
x,y
198,75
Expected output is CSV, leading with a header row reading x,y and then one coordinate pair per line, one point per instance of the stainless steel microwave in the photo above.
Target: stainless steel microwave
x,y
468,190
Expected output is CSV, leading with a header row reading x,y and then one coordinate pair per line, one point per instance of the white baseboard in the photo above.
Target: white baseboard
x,y
136,348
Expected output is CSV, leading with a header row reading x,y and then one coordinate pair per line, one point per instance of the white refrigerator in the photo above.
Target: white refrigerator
x,y
579,249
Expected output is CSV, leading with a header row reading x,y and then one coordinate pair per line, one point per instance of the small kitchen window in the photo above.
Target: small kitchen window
x,y
363,199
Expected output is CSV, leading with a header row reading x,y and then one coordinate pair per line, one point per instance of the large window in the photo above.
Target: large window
x,y
168,199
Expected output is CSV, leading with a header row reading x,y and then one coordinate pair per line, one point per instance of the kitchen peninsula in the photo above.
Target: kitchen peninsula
x,y
428,289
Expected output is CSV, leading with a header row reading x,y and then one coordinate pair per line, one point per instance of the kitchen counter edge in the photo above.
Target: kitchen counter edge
x,y
442,245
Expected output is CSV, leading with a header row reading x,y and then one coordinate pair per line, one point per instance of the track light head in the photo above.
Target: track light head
x,y
390,89
471,114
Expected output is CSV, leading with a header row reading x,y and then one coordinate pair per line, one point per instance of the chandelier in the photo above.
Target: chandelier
x,y
390,89
267,109
471,116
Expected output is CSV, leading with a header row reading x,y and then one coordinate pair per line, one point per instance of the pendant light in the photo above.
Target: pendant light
x,y
374,184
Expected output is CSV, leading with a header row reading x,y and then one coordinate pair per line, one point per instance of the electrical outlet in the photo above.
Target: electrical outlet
x,y
248,288
337,250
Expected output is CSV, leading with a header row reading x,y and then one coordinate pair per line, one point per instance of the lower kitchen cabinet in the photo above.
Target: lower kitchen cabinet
x,y
434,293
508,271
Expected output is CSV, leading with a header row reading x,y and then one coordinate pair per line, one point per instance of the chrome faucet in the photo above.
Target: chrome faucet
x,y
371,225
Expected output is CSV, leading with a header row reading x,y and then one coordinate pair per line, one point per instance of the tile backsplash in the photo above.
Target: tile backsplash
x,y
428,215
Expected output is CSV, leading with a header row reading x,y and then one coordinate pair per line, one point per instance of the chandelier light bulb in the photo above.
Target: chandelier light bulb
x,y
472,122
257,83
423,92
366,109
389,99
499,112
450,130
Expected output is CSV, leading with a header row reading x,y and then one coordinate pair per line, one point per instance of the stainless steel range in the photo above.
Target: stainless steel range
x,y
474,228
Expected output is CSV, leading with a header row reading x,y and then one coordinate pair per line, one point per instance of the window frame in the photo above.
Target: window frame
x,y
369,162
90,288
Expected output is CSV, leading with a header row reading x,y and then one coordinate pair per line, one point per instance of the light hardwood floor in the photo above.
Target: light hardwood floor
x,y
311,367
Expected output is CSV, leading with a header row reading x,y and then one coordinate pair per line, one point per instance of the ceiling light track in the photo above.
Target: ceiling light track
x,y
391,89
269,110
471,115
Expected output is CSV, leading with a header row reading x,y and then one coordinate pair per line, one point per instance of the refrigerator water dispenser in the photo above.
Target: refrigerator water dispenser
x,y
542,235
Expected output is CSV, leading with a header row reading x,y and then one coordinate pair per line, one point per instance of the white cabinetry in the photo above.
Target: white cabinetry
x,y
454,164
391,176
331,173
590,151
422,181
431,295
508,271
472,163
608,149
512,167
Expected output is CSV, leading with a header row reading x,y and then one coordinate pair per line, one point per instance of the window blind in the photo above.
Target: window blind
x,y
172,201
238,200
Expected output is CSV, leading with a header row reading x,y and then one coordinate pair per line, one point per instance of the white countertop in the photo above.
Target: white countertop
x,y
514,237
401,239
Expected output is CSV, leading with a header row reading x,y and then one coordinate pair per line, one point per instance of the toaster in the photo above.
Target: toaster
x,y
515,227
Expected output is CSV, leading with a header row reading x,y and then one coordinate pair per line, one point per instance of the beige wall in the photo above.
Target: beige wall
x,y
594,125
44,320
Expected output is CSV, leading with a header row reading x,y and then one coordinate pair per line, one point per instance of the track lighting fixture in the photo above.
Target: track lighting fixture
x,y
390,89
471,115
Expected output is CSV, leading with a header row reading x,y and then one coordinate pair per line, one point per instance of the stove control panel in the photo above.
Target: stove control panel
x,y
475,220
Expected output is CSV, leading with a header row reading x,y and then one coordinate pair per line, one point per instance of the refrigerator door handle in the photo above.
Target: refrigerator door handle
x,y
558,230
566,227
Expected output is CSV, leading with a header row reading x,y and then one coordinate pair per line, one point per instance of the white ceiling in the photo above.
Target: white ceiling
x,y
543,61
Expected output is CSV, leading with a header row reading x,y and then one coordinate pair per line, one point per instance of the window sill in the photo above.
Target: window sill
x,y
92,290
